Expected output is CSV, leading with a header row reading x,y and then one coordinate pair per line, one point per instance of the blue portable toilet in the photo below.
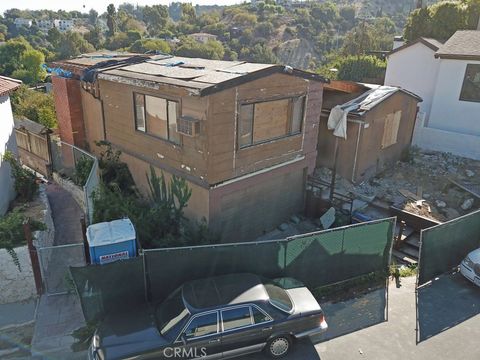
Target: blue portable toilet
x,y
111,241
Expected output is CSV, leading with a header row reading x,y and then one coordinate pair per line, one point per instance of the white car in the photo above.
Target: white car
x,y
470,267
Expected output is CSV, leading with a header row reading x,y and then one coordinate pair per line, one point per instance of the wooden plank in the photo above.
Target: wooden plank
x,y
409,195
470,191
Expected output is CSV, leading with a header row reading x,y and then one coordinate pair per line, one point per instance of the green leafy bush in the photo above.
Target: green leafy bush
x,y
159,218
82,170
11,232
25,181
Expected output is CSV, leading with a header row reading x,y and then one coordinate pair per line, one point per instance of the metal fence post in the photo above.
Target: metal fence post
x,y
33,256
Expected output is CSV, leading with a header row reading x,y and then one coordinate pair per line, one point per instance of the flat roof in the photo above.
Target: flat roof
x,y
463,45
223,290
202,76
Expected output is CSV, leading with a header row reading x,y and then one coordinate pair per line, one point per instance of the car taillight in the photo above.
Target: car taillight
x,y
321,318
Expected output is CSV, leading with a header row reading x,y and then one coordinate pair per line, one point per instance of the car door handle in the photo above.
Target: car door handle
x,y
214,341
267,329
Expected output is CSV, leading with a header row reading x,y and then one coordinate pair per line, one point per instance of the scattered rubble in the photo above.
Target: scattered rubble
x,y
438,179
467,204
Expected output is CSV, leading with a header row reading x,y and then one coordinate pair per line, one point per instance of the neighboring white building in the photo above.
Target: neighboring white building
x,y
203,37
64,25
7,141
45,25
23,22
447,77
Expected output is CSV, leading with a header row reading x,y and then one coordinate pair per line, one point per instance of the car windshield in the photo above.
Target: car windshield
x,y
171,312
279,297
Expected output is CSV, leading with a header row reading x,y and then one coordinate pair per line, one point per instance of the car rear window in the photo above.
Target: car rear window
x,y
279,297
171,312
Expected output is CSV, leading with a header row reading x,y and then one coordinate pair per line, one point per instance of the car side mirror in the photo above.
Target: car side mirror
x,y
184,339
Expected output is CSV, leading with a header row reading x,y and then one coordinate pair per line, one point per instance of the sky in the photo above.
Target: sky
x,y
99,5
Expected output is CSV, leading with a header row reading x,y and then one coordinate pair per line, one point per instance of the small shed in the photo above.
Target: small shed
x,y
380,127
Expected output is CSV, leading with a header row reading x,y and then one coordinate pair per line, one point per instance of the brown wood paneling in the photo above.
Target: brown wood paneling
x,y
189,157
371,157
226,160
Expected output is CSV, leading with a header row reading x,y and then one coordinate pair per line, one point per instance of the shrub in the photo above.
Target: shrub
x,y
25,181
82,170
11,232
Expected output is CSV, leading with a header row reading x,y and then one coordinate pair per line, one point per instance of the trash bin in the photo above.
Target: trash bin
x,y
111,241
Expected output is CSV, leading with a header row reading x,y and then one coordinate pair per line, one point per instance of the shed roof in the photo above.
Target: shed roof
x,y
428,42
7,85
463,45
201,76
373,97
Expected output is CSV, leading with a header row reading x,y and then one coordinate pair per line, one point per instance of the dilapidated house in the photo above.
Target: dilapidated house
x,y
380,124
243,135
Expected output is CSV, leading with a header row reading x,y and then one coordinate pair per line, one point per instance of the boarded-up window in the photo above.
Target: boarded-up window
x,y
390,130
268,120
157,117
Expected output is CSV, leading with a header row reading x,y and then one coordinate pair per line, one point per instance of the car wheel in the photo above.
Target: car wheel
x,y
279,346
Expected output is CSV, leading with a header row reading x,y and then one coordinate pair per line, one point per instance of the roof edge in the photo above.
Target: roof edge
x,y
276,69
419,40
457,57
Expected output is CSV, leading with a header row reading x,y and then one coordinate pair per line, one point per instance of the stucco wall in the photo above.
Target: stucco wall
x,y
448,112
7,142
446,141
415,69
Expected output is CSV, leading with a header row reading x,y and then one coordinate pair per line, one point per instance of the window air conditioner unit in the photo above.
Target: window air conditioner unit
x,y
188,126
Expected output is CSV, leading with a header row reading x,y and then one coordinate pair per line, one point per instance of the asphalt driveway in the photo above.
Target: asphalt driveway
x,y
448,325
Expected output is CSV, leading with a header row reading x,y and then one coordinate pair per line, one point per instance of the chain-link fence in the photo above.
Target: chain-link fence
x,y
444,246
81,168
317,259
55,262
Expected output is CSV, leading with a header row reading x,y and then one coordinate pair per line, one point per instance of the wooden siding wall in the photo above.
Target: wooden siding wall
x,y
371,157
93,120
346,148
188,159
225,160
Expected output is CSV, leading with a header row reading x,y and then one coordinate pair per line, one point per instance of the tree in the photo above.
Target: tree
x,y
446,18
442,19
188,13
54,36
34,105
95,37
144,45
111,19
262,54
92,17
155,18
11,54
31,71
359,68
213,49
73,44
358,40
